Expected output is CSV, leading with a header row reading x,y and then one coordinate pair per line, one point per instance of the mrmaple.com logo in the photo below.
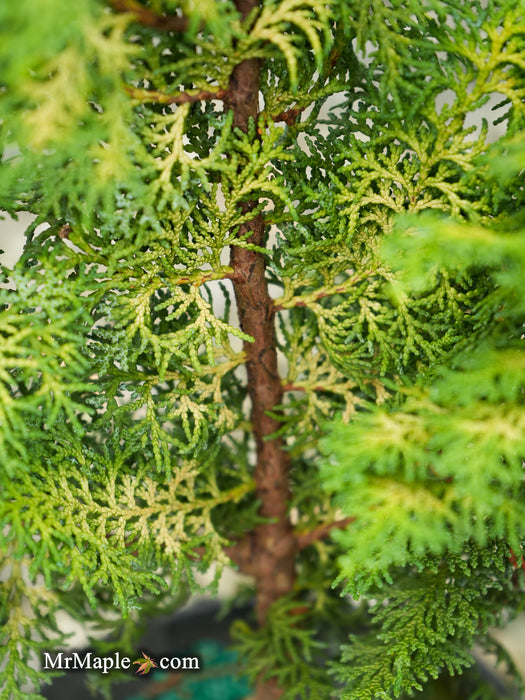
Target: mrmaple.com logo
x,y
75,661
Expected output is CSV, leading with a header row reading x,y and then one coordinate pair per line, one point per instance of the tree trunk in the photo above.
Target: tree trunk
x,y
273,543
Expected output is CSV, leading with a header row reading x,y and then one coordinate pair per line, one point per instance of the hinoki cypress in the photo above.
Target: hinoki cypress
x,y
269,314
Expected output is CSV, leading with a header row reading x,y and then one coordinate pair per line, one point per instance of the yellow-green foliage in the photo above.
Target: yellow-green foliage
x,y
397,267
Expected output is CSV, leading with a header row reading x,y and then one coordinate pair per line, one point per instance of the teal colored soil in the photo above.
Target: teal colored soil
x,y
216,679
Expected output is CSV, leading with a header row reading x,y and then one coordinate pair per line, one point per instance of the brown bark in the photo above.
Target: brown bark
x,y
148,18
289,116
272,544
305,539
157,97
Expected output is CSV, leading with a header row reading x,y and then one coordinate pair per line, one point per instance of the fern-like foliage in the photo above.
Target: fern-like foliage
x,y
427,621
439,476
394,257
265,649
446,466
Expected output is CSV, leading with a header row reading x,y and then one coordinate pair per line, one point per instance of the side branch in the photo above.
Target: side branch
x,y
289,116
243,551
144,96
306,300
305,539
226,273
148,18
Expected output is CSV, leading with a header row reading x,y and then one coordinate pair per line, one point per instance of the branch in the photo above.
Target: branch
x,y
305,539
142,95
202,277
294,387
242,553
305,300
289,116
64,231
148,18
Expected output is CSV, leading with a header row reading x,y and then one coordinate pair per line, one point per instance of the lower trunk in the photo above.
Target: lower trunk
x,y
274,544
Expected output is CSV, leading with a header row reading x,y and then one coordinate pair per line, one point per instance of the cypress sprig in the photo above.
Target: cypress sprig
x,y
260,325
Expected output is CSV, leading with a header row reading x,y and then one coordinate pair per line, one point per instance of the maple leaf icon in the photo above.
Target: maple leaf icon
x,y
146,664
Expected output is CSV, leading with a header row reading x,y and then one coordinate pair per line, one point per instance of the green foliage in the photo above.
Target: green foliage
x,y
61,87
39,360
286,643
397,266
440,472
426,622
446,465
19,644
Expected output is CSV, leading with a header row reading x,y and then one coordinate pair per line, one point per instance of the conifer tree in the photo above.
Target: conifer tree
x,y
260,326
